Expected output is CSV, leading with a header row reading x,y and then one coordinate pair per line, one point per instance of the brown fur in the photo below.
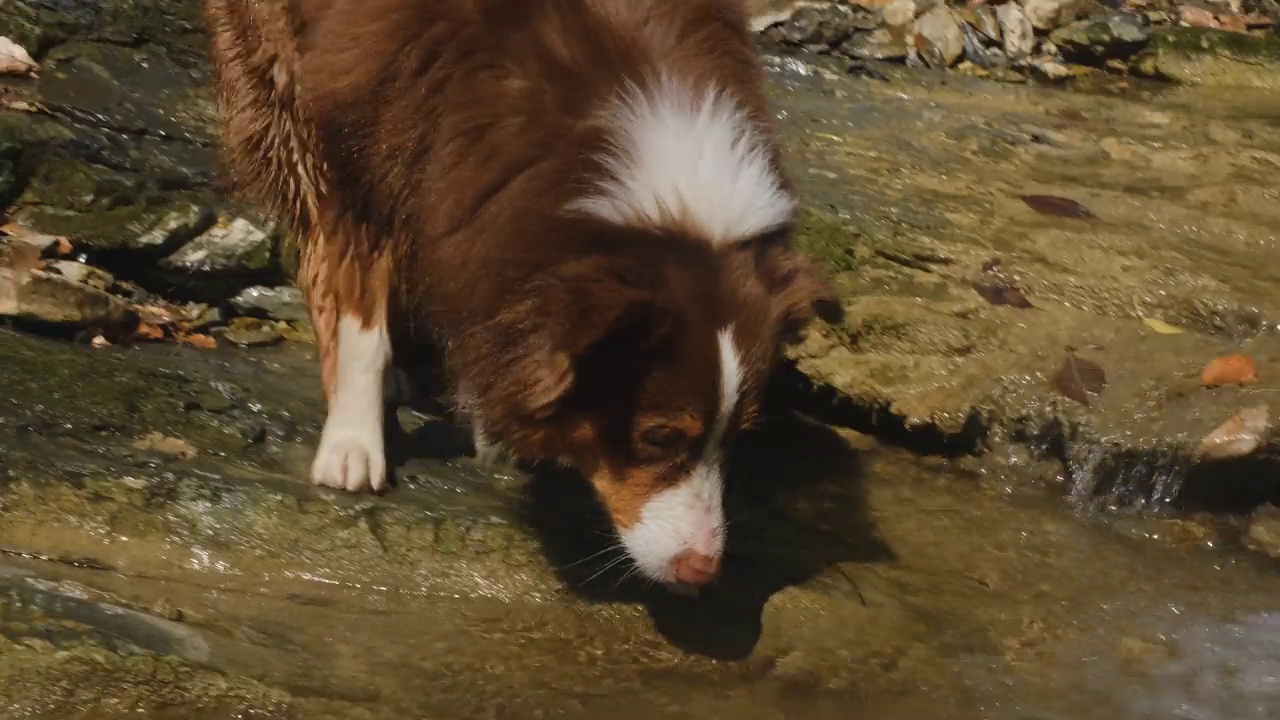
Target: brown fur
x,y
425,150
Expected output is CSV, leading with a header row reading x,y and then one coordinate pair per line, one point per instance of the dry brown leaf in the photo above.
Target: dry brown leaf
x,y
1059,206
147,331
1230,370
15,60
1239,436
198,340
168,445
1078,378
1003,293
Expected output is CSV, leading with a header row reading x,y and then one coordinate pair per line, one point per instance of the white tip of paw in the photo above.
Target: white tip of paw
x,y
350,461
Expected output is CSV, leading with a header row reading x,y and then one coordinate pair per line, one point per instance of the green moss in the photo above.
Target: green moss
x,y
1201,41
828,240
1199,56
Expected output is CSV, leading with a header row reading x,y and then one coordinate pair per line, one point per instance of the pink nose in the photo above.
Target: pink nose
x,y
694,568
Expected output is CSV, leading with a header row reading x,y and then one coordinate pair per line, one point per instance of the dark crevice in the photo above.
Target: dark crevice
x,y
791,389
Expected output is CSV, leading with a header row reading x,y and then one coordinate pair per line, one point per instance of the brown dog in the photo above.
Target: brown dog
x,y
580,201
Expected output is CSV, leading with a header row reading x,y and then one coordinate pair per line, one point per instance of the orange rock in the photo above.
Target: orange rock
x,y
1197,17
1228,370
1233,23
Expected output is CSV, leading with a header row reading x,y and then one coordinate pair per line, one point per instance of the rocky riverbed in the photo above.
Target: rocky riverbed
x,y
1059,288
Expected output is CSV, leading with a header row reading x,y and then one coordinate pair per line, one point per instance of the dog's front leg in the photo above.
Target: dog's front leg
x,y
351,454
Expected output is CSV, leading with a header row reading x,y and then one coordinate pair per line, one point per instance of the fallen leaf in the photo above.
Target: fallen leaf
x,y
1059,206
147,331
198,340
168,445
1239,436
98,342
1162,327
1229,370
1078,378
15,60
1002,293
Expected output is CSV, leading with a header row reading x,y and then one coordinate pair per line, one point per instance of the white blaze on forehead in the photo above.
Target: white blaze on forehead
x,y
690,157
690,515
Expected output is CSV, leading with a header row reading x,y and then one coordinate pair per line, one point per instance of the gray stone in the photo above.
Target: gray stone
x,y
273,303
1049,14
939,38
882,44
234,246
1019,35
79,272
250,332
1264,531
176,229
1094,42
42,296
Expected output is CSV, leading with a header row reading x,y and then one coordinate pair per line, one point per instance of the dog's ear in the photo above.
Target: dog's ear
x,y
801,290
575,308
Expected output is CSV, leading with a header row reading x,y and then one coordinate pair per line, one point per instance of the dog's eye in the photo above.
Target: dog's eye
x,y
660,442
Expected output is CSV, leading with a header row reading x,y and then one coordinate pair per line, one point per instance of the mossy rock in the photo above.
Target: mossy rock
x,y
1201,56
828,240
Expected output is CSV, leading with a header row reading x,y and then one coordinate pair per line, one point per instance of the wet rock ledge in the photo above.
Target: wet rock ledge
x,y
980,225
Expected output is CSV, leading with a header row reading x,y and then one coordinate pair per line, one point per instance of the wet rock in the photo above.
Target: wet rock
x,y
1094,42
47,297
1195,16
252,332
1264,531
974,50
1049,69
221,261
1199,56
899,13
882,44
1049,14
83,274
984,19
47,245
271,303
1019,36
177,228
237,245
939,39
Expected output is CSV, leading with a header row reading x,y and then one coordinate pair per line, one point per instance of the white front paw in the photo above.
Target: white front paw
x,y
350,460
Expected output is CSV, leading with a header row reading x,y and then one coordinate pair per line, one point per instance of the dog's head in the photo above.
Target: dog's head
x,y
640,365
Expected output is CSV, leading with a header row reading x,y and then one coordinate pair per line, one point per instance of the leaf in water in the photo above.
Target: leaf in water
x,y
1228,370
1162,327
1002,293
1059,206
147,331
1078,378
168,445
204,342
1239,436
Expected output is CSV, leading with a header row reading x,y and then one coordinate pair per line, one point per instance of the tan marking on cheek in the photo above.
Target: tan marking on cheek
x,y
624,497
